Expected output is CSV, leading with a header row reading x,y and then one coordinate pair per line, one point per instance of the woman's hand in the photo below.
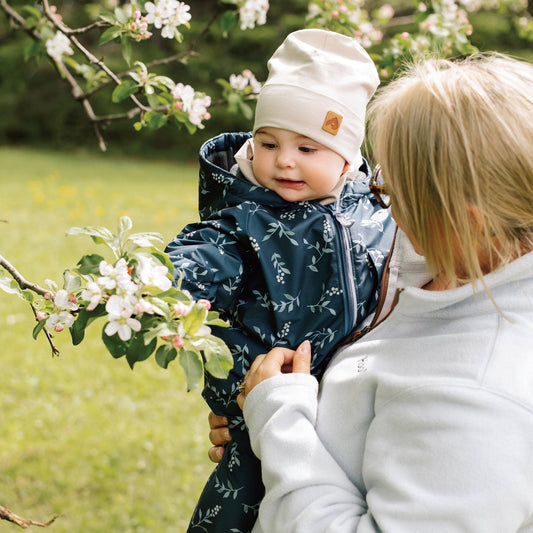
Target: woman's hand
x,y
277,361
219,436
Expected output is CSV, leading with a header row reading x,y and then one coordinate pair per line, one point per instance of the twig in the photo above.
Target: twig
x,y
23,283
6,514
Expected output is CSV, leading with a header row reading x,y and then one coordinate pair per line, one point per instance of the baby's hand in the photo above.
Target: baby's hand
x,y
219,436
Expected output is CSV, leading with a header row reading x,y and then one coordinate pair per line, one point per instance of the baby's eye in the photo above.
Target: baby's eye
x,y
307,149
268,146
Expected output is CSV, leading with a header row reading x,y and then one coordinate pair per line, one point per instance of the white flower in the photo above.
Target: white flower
x,y
238,82
120,319
58,45
252,12
59,320
155,13
185,93
143,306
113,276
182,14
63,301
153,274
92,294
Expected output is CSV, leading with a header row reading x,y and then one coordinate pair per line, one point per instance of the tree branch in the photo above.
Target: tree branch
x,y
23,283
6,514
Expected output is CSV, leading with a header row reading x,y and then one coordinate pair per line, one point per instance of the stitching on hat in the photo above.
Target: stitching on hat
x,y
332,122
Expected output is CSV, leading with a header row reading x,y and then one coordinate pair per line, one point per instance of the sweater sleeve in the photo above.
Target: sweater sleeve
x,y
208,260
442,458
306,490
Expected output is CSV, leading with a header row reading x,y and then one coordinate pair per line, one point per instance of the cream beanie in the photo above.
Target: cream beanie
x,y
319,85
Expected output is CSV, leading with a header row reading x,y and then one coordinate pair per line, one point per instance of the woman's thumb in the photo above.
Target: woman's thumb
x,y
302,358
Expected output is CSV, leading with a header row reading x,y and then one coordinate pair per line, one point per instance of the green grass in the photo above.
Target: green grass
x,y
81,435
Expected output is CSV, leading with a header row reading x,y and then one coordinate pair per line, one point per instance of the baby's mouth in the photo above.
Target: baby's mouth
x,y
293,184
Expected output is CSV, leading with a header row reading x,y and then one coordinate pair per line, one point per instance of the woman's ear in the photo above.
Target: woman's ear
x,y
346,167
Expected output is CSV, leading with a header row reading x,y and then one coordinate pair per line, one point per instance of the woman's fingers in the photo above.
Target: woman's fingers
x,y
273,363
301,362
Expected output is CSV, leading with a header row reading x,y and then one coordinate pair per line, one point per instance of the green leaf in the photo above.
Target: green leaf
x,y
155,120
83,320
153,100
109,18
116,347
218,359
193,321
121,15
165,354
147,239
8,284
71,283
228,20
32,11
109,35
137,350
97,233
124,90
89,264
38,328
126,48
165,260
191,362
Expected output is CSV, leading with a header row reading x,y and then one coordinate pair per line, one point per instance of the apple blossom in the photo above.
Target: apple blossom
x,y
143,306
153,274
178,342
92,294
181,309
58,45
59,320
205,303
120,318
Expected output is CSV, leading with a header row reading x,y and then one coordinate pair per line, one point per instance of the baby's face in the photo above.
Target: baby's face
x,y
295,167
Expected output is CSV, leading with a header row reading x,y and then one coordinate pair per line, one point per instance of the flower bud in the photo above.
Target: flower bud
x,y
205,303
40,315
178,342
59,327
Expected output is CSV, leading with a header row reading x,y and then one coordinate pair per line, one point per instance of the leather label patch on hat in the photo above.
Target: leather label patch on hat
x,y
332,123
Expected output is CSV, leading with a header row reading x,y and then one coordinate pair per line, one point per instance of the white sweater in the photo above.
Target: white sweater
x,y
425,425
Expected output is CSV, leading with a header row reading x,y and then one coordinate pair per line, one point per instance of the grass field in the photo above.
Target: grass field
x,y
81,435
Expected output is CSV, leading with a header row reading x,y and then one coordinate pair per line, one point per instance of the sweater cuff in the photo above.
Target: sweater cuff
x,y
290,392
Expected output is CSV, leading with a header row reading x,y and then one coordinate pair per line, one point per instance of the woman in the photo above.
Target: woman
x,y
426,423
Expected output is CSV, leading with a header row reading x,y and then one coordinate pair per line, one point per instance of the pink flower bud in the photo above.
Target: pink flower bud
x,y
47,295
178,342
59,327
207,116
405,35
137,14
181,309
205,303
143,26
247,73
40,316
343,9
133,26
178,105
72,298
335,14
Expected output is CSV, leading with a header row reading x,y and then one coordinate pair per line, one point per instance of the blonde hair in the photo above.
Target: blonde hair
x,y
454,140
